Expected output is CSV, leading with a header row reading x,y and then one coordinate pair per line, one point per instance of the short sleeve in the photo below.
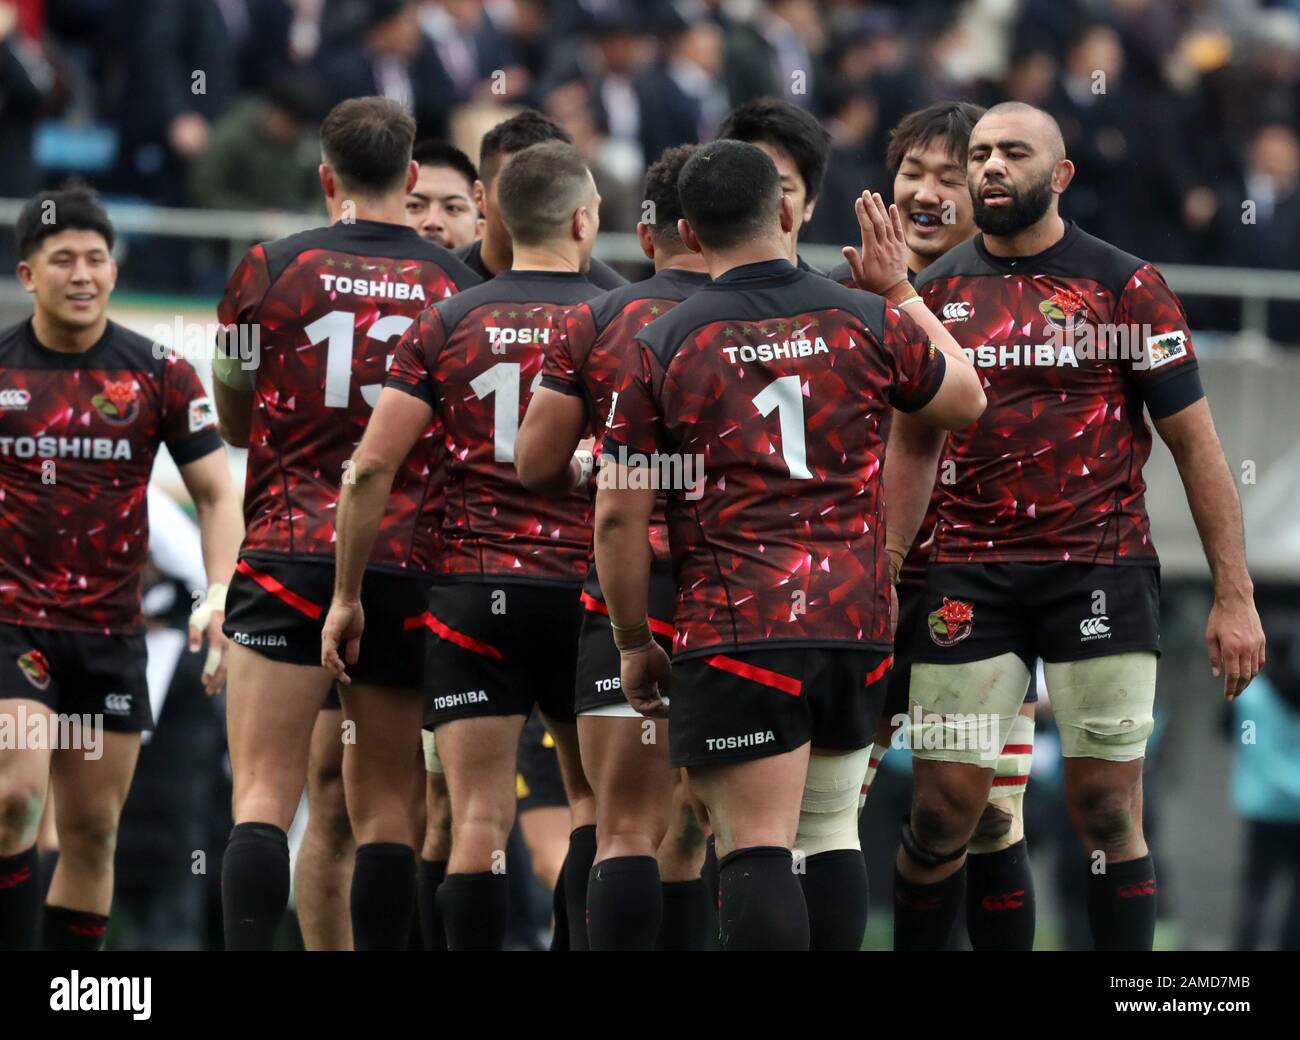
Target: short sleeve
x,y
1160,358
560,368
917,363
189,421
420,344
635,421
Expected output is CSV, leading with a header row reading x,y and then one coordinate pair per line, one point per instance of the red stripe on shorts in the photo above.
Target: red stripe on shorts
x,y
1018,749
280,592
659,628
452,636
875,674
1009,781
762,676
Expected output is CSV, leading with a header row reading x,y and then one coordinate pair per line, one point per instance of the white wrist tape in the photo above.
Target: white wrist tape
x,y
202,617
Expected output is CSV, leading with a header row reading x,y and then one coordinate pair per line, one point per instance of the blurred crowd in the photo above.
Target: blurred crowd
x,y
1181,115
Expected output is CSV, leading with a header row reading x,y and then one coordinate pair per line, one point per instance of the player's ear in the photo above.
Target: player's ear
x,y
645,236
327,184
787,214
26,276
808,208
687,234
1062,175
412,175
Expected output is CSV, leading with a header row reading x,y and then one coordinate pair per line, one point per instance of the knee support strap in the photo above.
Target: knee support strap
x,y
828,814
923,856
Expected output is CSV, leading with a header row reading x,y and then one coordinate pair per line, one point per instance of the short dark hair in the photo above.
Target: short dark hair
x,y
440,153
539,190
788,128
729,192
73,208
368,142
948,121
661,189
520,131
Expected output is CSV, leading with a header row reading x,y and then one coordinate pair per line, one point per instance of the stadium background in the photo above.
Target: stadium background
x,y
196,119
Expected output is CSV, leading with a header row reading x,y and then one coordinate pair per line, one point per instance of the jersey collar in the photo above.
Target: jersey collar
x,y
1020,263
63,359
764,270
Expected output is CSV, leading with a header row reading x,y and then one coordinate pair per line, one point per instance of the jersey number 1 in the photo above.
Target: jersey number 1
x,y
785,395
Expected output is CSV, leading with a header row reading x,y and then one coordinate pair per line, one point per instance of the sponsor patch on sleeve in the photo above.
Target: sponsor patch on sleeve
x,y
1166,347
201,414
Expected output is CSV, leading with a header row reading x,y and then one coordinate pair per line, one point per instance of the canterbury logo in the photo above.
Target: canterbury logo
x,y
1094,626
1142,888
957,311
118,703
1005,901
15,398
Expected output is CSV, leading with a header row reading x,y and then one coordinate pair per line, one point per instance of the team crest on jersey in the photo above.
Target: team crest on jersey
x,y
952,622
37,669
119,403
1065,310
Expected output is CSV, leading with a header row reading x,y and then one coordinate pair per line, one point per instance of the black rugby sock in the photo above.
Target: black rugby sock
x,y
254,885
1122,905
383,896
762,905
73,931
835,889
49,864
1000,899
560,911
20,900
687,913
431,874
924,915
624,903
577,869
474,909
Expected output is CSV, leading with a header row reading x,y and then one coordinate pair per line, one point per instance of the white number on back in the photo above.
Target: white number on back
x,y
785,395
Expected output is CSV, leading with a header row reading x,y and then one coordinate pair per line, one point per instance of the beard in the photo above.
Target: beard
x,y
1027,207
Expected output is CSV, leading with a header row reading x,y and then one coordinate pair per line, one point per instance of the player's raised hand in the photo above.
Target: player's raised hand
x,y
1236,642
882,262
646,674
343,627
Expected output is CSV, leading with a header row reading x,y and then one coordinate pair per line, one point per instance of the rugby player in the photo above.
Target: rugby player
x,y
780,378
627,765
328,304
927,153
505,611
492,253
799,146
1043,547
440,206
85,405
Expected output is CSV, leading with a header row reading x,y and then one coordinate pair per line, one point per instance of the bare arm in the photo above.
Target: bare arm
x,y
1234,635
881,267
546,442
396,424
622,542
911,461
221,529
